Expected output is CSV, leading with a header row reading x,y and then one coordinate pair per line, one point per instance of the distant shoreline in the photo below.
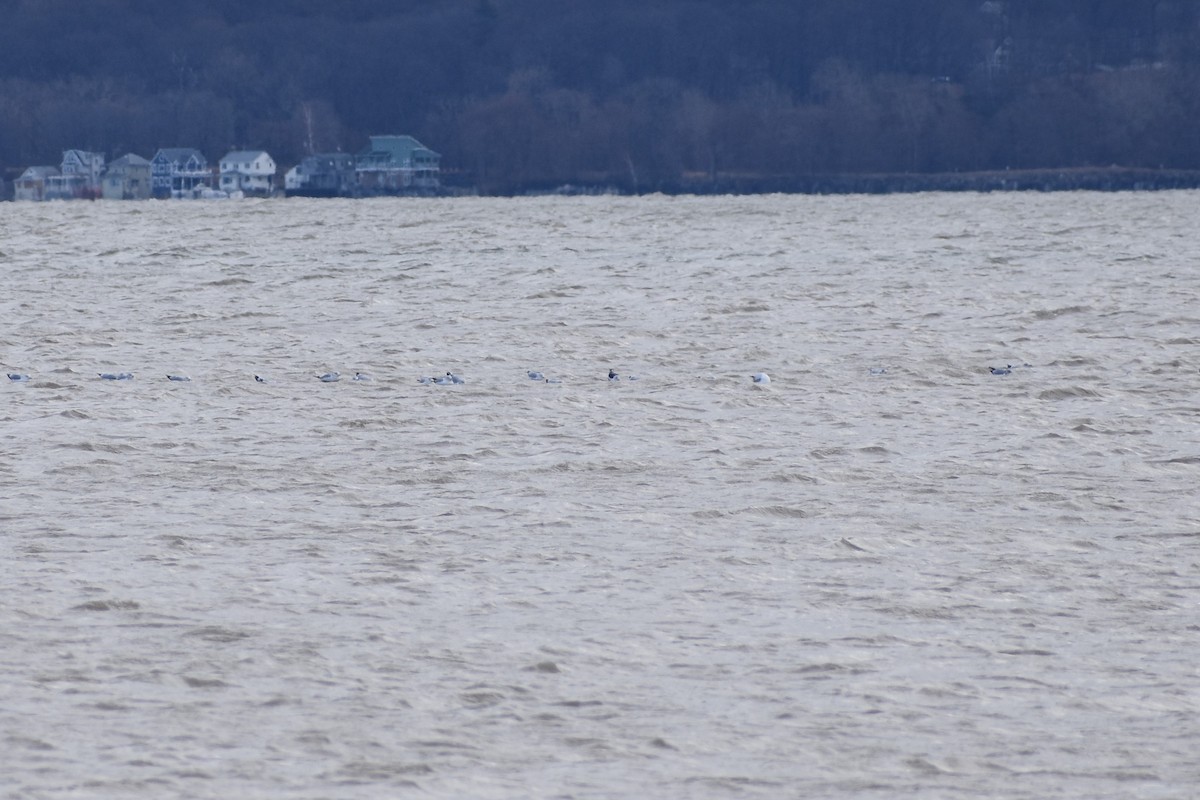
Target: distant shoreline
x,y
1111,179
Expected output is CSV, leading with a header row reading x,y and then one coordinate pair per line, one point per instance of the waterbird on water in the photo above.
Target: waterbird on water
x,y
19,377
361,376
259,379
178,377
116,376
613,376
330,377
1001,370
760,377
535,376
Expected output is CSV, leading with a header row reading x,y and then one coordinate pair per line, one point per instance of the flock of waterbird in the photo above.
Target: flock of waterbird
x,y
449,379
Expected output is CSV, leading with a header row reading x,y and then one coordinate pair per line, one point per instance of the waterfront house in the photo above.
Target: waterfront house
x,y
322,175
79,176
397,164
179,172
33,183
251,172
127,178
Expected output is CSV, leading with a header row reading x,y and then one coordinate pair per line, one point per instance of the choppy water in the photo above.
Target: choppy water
x,y
931,582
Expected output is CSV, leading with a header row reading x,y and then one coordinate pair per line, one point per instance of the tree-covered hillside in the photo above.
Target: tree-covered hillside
x,y
645,93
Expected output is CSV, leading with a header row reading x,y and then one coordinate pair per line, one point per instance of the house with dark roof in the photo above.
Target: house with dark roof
x,y
322,175
397,165
179,172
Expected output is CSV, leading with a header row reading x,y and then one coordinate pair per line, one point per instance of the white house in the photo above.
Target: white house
x,y
127,178
80,174
32,183
251,172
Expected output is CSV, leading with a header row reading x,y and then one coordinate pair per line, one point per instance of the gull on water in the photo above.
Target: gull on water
x,y
426,379
116,376
361,376
760,377
19,377
1001,370
535,376
454,378
613,376
330,377
178,377
259,379
879,370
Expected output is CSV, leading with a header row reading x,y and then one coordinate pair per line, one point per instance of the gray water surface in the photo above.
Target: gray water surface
x,y
928,581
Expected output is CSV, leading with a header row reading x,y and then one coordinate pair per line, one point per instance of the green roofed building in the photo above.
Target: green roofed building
x,y
397,165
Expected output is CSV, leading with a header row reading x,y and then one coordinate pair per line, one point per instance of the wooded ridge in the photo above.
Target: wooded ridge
x,y
639,95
